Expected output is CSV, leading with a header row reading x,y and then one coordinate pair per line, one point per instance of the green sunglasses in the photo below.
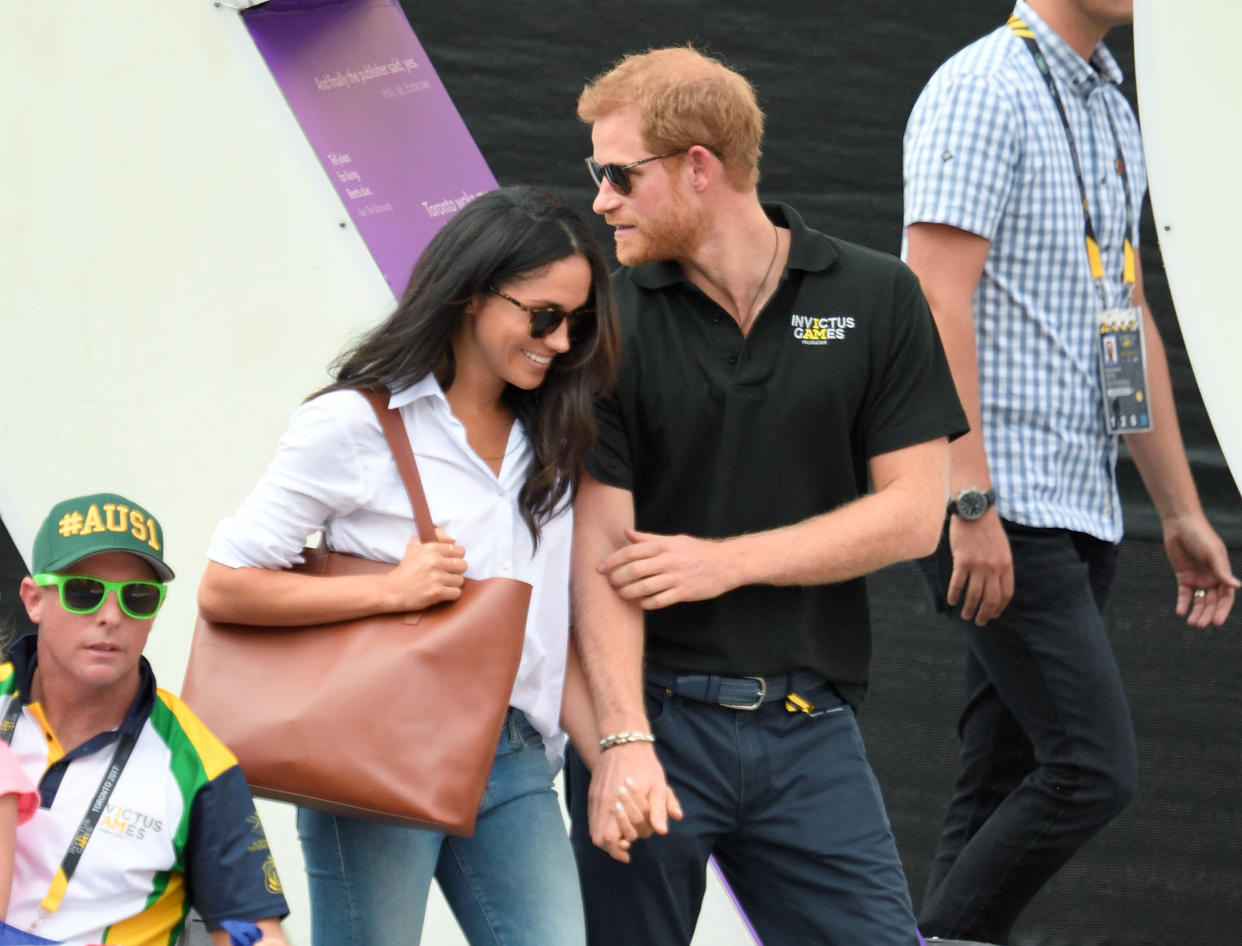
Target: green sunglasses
x,y
82,594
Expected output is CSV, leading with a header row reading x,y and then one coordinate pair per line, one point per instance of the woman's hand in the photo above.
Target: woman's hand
x,y
428,573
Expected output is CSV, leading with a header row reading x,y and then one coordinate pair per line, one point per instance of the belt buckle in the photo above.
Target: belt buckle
x,y
763,692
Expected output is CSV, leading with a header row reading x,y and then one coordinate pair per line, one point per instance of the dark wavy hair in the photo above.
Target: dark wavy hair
x,y
500,237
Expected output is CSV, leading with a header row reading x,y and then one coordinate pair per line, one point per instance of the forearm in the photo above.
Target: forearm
x,y
610,638
901,520
968,461
608,630
949,263
577,712
8,844
270,597
1160,454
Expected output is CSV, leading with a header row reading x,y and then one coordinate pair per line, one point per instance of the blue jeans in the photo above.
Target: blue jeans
x,y
1048,754
512,884
790,808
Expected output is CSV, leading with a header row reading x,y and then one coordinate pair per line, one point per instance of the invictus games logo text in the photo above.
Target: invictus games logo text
x,y
812,330
129,822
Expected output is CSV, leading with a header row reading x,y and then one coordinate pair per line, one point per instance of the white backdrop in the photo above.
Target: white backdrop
x,y
174,277
1189,74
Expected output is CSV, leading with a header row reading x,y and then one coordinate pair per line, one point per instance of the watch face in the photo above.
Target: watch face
x,y
971,504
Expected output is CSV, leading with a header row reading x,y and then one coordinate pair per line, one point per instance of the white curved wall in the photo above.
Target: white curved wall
x,y
1189,73
174,278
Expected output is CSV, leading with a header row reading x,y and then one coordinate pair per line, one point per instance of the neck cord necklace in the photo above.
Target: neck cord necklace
x,y
776,245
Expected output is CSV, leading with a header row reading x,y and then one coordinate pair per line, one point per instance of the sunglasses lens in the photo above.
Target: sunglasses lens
x,y
140,599
618,177
81,594
615,174
594,168
545,321
582,325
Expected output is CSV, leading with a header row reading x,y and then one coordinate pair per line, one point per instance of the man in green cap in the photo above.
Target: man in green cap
x,y
143,812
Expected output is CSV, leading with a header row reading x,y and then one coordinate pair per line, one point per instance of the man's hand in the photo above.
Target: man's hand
x,y
1199,561
982,567
629,799
658,570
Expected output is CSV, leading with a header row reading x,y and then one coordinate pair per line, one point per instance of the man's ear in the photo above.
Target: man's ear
x,y
704,167
32,597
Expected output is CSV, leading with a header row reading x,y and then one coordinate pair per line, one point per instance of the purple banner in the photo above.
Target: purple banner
x,y
377,117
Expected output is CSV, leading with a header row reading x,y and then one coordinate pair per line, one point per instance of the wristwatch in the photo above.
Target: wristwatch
x,y
971,503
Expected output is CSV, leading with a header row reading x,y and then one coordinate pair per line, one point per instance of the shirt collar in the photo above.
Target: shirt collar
x,y
808,250
426,386
24,656
1071,68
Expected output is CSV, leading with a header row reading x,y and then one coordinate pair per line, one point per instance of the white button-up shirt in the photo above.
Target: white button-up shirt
x,y
333,471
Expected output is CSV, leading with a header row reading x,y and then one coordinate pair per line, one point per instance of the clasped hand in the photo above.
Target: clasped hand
x,y
428,573
629,799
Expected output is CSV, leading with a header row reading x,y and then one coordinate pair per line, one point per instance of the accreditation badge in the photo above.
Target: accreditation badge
x,y
1123,371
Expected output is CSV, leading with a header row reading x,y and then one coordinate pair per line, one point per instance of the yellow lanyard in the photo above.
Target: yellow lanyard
x,y
69,863
1023,31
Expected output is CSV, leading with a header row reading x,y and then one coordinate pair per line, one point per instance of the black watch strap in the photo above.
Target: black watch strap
x,y
971,503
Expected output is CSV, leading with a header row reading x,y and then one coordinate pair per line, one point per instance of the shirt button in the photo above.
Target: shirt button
x,y
733,359
1108,510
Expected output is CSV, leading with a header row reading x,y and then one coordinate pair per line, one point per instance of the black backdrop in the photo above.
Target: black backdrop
x,y
837,81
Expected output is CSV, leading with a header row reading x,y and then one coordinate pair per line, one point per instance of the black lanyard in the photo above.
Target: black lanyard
x,y
1023,32
69,863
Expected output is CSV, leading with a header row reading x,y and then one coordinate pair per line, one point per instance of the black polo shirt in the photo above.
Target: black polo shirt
x,y
717,434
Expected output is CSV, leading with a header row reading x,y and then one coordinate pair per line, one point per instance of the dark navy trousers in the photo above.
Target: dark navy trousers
x,y
1048,753
790,808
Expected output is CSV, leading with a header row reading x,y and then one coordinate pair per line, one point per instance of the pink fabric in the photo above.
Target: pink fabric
x,y
14,780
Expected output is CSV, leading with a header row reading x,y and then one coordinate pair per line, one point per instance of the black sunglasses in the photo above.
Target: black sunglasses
x,y
546,319
82,594
618,175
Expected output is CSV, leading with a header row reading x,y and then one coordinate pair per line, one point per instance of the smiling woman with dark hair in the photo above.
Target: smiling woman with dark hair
x,y
503,339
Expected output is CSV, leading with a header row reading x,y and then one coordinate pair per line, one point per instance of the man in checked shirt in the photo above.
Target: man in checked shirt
x,y
1024,176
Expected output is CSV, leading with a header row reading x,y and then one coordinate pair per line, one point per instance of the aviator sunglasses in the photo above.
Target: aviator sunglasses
x,y
81,594
545,319
618,175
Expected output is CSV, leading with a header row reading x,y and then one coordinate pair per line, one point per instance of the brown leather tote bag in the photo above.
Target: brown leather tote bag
x,y
394,717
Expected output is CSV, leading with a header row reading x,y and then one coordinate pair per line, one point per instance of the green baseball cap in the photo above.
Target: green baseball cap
x,y
101,522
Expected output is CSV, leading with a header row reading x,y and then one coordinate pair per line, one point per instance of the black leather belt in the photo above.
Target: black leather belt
x,y
739,693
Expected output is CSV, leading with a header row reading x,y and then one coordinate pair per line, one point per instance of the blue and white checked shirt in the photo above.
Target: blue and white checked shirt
x,y
985,151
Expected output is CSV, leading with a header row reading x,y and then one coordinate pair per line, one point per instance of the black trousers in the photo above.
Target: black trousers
x,y
790,808
1048,753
